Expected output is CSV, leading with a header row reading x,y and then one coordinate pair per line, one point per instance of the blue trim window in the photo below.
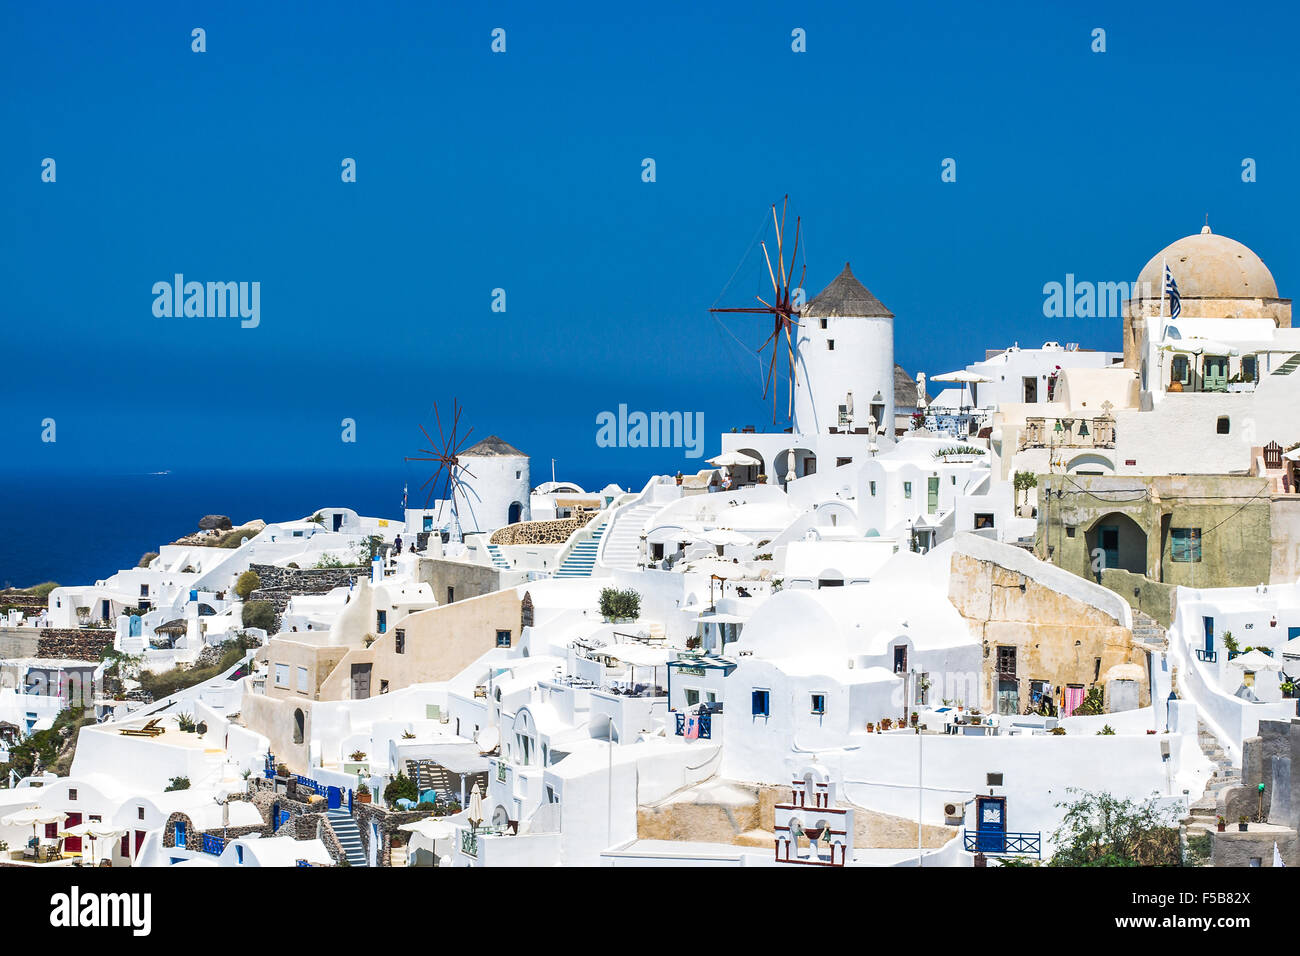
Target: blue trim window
x,y
503,638
1185,544
761,699
819,704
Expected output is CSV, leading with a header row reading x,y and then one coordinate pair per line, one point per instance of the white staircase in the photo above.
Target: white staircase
x,y
498,559
581,560
623,537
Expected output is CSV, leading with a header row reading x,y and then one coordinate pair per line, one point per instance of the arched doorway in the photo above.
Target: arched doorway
x,y
1117,541
748,474
516,512
299,725
803,461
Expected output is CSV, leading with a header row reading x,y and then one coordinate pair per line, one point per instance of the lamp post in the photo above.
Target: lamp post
x,y
920,768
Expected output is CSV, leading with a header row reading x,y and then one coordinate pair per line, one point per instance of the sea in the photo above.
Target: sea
x,y
80,528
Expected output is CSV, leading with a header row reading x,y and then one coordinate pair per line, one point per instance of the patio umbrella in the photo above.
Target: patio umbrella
x,y
92,831
1255,661
475,814
733,459
966,378
725,536
431,829
31,816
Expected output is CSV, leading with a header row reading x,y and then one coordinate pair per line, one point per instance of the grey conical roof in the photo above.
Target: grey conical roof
x,y
846,296
492,446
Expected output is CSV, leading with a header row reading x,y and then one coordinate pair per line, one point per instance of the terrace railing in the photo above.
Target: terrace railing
x,y
213,844
1004,843
705,721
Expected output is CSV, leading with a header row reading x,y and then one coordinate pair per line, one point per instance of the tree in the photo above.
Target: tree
x,y
1023,481
401,787
616,605
248,583
259,614
1100,829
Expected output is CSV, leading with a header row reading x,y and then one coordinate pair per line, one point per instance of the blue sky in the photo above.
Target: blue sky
x,y
523,171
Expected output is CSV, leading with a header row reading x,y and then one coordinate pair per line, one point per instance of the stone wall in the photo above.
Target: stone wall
x,y
77,644
556,531
750,824
305,580
387,821
1057,638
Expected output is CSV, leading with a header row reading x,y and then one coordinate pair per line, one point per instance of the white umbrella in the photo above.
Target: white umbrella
x,y
92,831
475,814
724,536
732,459
31,816
431,829
966,377
1255,661
729,570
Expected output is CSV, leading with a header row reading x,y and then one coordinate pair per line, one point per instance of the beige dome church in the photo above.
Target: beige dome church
x,y
1217,278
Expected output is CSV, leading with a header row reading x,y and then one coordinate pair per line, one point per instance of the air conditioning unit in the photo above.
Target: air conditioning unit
x,y
953,814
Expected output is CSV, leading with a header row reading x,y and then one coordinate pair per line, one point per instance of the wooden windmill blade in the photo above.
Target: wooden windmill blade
x,y
783,313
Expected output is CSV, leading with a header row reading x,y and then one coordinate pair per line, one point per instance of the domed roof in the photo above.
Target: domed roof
x,y
1210,267
846,296
493,447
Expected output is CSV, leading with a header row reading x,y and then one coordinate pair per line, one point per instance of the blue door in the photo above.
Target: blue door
x,y
135,626
1209,637
1292,633
991,824
180,834
334,798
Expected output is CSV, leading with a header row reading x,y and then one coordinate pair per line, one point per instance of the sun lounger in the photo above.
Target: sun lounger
x,y
150,729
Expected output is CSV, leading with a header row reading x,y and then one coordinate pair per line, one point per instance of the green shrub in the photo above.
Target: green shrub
x,y
43,589
1099,829
259,614
248,583
1092,704
620,605
401,787
178,783
168,682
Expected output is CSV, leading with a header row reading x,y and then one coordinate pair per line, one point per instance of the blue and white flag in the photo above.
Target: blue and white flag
x,y
1171,289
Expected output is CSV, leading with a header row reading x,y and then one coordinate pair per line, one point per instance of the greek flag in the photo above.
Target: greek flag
x,y
1171,289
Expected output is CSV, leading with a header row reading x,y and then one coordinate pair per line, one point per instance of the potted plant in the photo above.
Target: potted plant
x,y
358,755
1242,824
886,723
1222,824
363,792
871,726
1288,688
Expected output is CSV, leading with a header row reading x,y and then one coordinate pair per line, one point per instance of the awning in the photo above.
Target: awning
x,y
641,655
